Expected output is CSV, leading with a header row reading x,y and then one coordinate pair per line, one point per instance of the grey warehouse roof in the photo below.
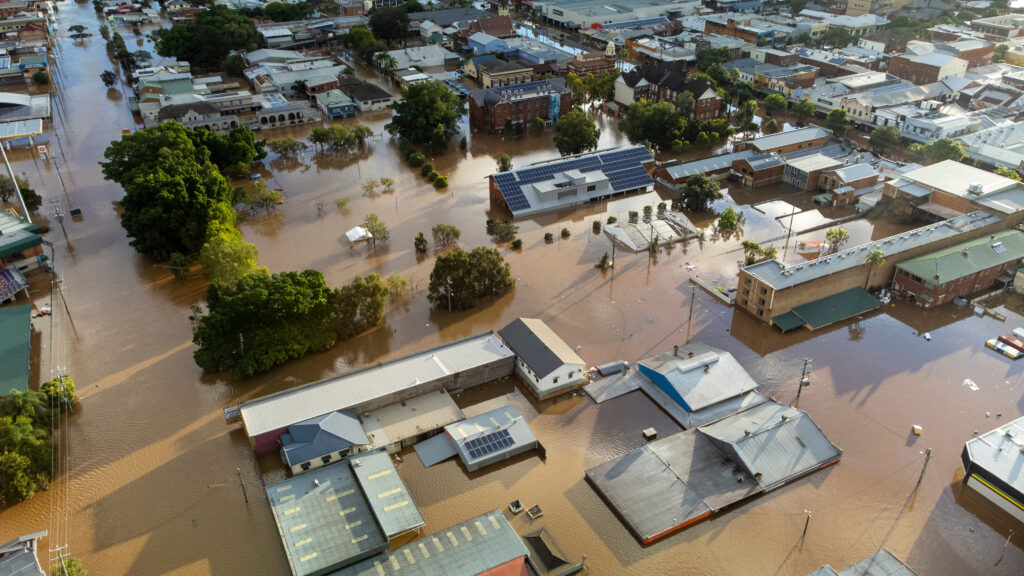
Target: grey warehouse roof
x,y
705,165
384,490
355,388
1000,452
321,435
466,549
811,132
538,346
855,172
881,563
781,276
709,377
503,430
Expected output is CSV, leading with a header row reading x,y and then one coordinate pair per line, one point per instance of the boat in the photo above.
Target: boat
x,y
1008,351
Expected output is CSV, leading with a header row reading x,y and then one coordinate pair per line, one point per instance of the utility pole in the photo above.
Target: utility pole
x,y
806,523
240,481
804,380
927,457
60,558
448,284
689,320
789,232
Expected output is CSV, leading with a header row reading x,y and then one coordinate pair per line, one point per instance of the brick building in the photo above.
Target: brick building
x,y
949,188
497,26
758,170
490,108
805,172
664,82
963,269
501,73
975,52
592,63
926,68
813,136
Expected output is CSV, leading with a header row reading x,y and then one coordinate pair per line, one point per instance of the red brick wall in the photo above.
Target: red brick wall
x,y
944,292
913,71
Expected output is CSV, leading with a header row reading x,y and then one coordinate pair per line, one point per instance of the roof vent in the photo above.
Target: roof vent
x,y
965,252
975,188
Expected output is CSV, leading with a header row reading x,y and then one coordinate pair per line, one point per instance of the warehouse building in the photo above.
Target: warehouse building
x,y
813,136
881,563
402,424
544,361
994,467
480,441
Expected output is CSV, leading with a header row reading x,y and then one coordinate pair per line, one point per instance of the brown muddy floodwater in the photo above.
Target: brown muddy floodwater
x,y
150,485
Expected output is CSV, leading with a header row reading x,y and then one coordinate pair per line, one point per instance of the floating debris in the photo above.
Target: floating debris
x,y
970,385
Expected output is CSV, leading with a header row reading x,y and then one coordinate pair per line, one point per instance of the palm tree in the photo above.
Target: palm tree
x,y
385,63
874,259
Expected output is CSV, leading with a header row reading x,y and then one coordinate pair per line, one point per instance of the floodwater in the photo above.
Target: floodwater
x,y
151,485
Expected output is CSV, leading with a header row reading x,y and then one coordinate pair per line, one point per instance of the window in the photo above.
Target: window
x,y
592,187
760,301
305,466
326,459
570,373
904,273
746,281
760,312
745,302
763,291
555,380
746,291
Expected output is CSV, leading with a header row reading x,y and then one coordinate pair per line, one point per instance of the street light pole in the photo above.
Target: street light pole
x,y
804,380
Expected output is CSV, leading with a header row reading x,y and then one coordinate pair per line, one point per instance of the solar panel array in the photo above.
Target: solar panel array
x,y
489,443
622,167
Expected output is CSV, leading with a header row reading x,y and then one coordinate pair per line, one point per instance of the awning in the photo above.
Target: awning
x,y
18,243
435,449
836,307
787,321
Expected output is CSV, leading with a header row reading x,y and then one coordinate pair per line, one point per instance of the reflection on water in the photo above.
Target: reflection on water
x,y
153,484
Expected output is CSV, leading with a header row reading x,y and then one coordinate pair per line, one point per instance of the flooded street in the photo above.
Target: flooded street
x,y
153,486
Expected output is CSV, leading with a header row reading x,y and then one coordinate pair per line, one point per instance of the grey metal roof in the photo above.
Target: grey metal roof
x,y
708,377
1000,452
781,276
775,443
811,132
475,438
323,519
881,563
855,172
388,497
538,346
355,388
825,570
18,557
435,450
705,165
764,161
321,435
466,549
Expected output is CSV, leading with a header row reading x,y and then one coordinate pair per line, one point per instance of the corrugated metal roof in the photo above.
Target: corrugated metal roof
x,y
466,549
475,439
321,435
15,343
881,563
1001,453
17,241
356,388
856,172
388,497
968,257
840,306
705,165
410,418
814,162
708,377
789,138
18,557
435,450
538,346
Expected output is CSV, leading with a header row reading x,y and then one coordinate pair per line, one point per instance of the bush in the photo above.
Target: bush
x,y
633,216
612,220
565,233
517,244
661,207
433,175
549,237
441,182
416,159
597,226
41,77
426,169
502,231
420,243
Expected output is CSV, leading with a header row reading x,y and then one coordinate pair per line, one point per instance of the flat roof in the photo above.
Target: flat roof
x,y
813,163
324,520
780,276
1000,452
955,178
15,345
410,418
699,374
469,548
371,383
386,493
21,129
772,141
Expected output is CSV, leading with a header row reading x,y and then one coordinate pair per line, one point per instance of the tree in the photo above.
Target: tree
x,y
233,153
226,257
885,137
361,41
207,40
750,251
378,230
722,76
698,194
575,132
388,184
745,91
33,201
59,392
287,147
446,234
660,123
180,266
370,187
743,118
803,110
268,319
797,6
340,137
1007,173
24,454
837,122
728,219
71,567
837,37
260,198
686,104
234,65
706,58
875,258
423,108
504,162
420,243
999,55
770,127
76,30
41,77
836,237
460,279
775,102
282,12
502,231
389,23
943,149
109,78
172,190
385,63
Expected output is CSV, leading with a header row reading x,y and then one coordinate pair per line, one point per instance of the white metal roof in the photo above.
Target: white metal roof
x,y
355,388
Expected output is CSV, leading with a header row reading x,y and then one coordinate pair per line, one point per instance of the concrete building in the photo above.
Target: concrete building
x,y
950,188
491,108
15,348
927,68
863,25
964,269
337,104
196,115
999,146
578,14
19,557
503,73
812,136
999,28
994,467
454,367
471,67
486,545
568,182
776,288
480,441
544,361
595,63
758,170
320,440
933,125
274,110
670,484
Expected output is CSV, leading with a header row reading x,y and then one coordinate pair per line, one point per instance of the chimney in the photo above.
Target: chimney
x,y
675,350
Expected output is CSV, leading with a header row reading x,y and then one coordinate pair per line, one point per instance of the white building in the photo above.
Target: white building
x,y
586,13
543,360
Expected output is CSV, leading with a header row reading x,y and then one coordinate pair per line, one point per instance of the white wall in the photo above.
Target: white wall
x,y
565,374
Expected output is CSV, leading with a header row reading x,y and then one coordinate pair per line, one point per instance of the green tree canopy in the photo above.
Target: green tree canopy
x,y
575,132
659,123
172,190
885,137
24,458
803,110
463,278
836,237
837,37
697,195
837,121
233,153
686,104
389,23
226,257
207,40
1007,173
936,151
504,162
423,107
770,127
775,102
712,56
33,201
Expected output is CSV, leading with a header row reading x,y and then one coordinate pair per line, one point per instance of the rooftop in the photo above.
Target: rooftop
x,y
1000,452
478,440
15,343
698,375
958,179
773,141
966,258
881,563
814,162
703,166
780,276
387,495
410,418
855,172
470,548
536,344
18,557
356,388
321,435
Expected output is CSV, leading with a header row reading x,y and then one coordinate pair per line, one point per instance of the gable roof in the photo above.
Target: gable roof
x,y
855,172
365,91
175,111
321,435
671,75
18,557
538,346
497,26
